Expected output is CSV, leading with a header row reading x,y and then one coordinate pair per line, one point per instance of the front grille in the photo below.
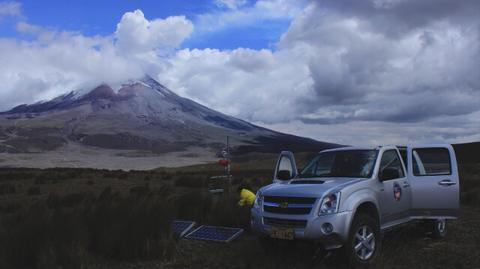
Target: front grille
x,y
290,211
290,223
298,200
288,205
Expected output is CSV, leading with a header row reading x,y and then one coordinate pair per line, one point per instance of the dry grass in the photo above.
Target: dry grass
x,y
85,218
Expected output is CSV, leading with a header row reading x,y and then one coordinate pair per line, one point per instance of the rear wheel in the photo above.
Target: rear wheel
x,y
437,228
364,243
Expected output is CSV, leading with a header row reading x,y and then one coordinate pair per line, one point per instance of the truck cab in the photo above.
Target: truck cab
x,y
345,197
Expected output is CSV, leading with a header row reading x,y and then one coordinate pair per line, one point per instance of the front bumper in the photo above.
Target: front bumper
x,y
313,229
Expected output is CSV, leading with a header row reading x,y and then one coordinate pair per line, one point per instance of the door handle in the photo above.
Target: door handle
x,y
406,185
446,182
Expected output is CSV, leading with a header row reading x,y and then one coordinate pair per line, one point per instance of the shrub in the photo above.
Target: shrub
x,y
167,176
48,175
106,194
193,205
140,190
109,175
226,212
73,199
256,182
471,197
191,181
44,239
46,235
73,174
53,200
10,207
7,188
40,179
16,175
164,190
130,229
237,180
34,191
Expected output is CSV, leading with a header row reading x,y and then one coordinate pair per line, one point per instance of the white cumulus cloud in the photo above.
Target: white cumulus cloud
x,y
10,8
52,62
230,4
339,68
135,34
240,14
352,72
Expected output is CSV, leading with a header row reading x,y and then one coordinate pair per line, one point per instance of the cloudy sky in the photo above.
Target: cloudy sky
x,y
344,71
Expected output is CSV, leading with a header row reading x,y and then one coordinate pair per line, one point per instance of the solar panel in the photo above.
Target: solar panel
x,y
214,233
182,227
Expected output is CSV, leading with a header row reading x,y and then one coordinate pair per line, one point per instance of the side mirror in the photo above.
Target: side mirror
x,y
388,173
284,175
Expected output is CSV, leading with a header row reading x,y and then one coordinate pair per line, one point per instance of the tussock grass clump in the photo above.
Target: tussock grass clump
x,y
226,212
34,191
470,184
193,205
7,188
71,230
191,181
140,190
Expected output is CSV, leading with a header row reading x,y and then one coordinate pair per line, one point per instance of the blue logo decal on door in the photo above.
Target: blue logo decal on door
x,y
397,191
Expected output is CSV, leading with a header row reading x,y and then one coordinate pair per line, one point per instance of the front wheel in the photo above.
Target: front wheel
x,y
364,242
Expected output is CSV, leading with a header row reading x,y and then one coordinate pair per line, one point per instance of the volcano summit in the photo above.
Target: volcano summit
x,y
142,125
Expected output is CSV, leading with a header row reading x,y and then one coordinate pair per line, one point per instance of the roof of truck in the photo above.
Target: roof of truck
x,y
351,148
380,146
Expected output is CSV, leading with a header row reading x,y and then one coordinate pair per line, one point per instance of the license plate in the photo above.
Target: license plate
x,y
282,233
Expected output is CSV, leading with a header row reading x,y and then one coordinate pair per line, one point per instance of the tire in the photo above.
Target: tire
x,y
437,228
364,242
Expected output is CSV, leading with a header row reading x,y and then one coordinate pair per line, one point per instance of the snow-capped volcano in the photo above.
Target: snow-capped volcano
x,y
142,118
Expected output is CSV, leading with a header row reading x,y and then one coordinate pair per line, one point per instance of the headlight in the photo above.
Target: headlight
x,y
330,204
258,203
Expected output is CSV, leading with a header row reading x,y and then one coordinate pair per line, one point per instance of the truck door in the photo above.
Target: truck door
x,y
395,195
434,179
286,167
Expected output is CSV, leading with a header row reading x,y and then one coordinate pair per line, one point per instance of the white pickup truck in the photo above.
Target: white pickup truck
x,y
345,198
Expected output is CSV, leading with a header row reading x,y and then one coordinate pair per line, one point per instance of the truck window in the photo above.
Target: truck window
x,y
431,162
390,159
342,163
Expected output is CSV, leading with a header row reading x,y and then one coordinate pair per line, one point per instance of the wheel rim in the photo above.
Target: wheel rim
x,y
364,243
441,225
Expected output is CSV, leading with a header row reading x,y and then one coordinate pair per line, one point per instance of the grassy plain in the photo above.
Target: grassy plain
x,y
87,218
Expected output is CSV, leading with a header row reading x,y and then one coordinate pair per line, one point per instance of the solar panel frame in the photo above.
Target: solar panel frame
x,y
188,228
237,233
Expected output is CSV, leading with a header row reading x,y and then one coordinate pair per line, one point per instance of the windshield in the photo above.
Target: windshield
x,y
342,163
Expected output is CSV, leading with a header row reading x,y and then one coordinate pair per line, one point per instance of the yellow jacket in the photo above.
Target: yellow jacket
x,y
246,198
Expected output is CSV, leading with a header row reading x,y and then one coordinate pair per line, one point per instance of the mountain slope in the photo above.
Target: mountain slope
x,y
141,122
